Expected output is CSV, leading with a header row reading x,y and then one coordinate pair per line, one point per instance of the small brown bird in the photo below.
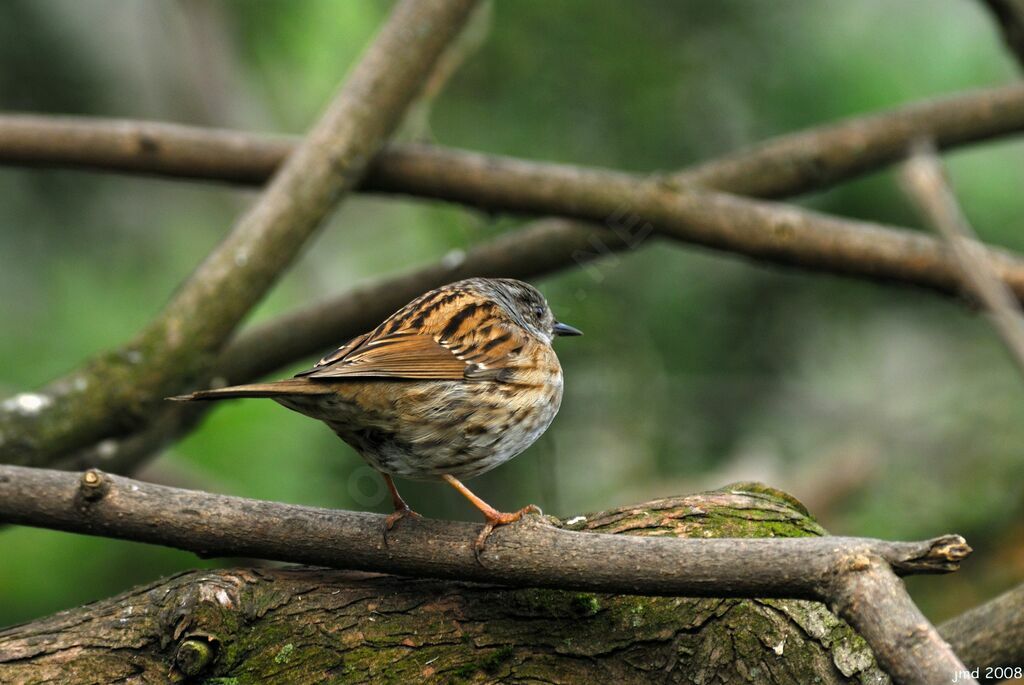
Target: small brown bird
x,y
451,385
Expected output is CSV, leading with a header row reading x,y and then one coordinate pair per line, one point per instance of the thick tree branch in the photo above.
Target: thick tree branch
x,y
534,554
990,635
531,554
295,624
783,166
111,392
302,626
873,599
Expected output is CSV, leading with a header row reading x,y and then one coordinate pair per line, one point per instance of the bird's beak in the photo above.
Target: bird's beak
x,y
565,329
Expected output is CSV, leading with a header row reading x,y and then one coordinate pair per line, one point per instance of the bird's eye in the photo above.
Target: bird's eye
x,y
539,312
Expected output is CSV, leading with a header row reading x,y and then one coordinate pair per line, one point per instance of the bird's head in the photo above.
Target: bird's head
x,y
524,304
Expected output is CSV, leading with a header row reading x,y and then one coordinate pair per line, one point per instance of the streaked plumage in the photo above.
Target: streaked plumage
x,y
458,381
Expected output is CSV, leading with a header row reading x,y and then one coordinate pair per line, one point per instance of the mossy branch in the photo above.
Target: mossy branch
x,y
854,574
258,621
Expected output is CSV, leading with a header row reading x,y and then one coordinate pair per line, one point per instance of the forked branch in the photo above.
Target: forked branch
x,y
853,574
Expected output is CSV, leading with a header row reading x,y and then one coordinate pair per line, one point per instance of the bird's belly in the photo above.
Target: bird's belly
x,y
424,430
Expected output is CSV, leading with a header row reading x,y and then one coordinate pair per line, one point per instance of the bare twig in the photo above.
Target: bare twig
x,y
531,554
821,157
990,635
783,166
925,183
117,390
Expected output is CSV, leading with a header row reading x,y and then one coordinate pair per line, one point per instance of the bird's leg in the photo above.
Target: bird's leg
x,y
401,508
494,517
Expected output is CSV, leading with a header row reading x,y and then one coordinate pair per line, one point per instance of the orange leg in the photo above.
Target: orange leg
x,y
401,508
494,517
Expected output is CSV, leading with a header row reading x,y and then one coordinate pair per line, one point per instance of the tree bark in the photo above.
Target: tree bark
x,y
308,625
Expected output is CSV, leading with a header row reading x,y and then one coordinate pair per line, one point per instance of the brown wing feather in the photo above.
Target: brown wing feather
x,y
446,334
401,355
337,355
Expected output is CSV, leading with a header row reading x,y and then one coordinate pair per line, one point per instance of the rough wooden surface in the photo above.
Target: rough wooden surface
x,y
990,635
534,552
307,625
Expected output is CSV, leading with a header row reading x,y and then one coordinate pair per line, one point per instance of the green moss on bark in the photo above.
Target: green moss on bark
x,y
302,625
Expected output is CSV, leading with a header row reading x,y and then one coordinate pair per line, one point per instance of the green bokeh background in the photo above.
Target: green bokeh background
x,y
891,412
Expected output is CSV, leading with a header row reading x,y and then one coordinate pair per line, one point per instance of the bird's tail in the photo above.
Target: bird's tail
x,y
291,386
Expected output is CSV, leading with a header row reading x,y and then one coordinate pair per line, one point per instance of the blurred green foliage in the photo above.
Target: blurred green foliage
x,y
891,412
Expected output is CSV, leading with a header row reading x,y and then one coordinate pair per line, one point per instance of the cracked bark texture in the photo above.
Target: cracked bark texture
x,y
308,625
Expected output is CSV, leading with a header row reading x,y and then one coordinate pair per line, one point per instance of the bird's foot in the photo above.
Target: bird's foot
x,y
498,518
396,516
399,514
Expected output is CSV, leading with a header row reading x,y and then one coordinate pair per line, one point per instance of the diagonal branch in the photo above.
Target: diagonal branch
x,y
924,181
992,634
873,599
112,392
782,166
634,207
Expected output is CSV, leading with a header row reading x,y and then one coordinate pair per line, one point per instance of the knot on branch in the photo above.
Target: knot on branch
x,y
209,605
93,486
196,654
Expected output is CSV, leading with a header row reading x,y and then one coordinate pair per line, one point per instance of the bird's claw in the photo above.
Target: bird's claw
x,y
500,519
396,516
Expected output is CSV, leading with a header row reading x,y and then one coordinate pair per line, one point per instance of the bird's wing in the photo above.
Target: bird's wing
x,y
476,355
444,335
337,355
400,355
